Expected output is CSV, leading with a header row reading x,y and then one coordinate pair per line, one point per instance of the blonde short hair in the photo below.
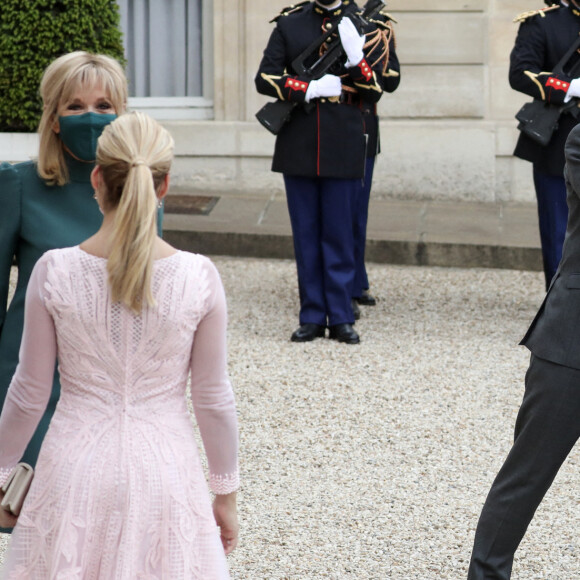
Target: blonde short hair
x,y
61,79
134,154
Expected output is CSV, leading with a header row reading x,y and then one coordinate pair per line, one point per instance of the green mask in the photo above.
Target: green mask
x,y
80,133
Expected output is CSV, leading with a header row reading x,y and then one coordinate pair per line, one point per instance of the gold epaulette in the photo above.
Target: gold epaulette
x,y
542,12
388,16
290,10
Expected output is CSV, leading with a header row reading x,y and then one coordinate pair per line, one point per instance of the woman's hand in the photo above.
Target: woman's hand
x,y
7,520
226,516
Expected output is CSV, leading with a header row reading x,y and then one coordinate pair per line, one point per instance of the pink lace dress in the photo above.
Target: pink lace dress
x,y
119,491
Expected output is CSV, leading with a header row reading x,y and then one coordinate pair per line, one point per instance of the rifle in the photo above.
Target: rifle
x,y
276,114
538,119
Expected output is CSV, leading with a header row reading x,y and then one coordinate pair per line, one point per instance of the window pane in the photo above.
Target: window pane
x,y
163,46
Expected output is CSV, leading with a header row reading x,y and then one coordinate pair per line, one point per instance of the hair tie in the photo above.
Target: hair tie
x,y
138,161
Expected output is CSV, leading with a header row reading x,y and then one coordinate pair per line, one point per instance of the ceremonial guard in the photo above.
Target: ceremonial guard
x,y
381,37
543,39
321,151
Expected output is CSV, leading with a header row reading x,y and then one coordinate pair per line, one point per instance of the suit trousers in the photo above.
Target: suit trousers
x,y
547,427
360,220
552,217
320,211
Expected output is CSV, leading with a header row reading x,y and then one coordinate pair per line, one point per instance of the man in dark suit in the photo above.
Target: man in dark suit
x,y
321,153
543,39
548,422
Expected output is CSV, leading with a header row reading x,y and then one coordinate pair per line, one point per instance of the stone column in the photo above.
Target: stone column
x,y
230,77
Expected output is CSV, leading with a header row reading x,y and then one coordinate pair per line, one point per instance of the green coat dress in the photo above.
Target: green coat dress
x,y
35,218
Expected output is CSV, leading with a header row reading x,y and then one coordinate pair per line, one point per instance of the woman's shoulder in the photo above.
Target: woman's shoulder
x,y
198,269
59,256
16,170
14,175
196,261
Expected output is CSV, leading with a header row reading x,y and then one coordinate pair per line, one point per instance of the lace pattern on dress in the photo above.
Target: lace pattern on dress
x,y
4,474
119,490
224,484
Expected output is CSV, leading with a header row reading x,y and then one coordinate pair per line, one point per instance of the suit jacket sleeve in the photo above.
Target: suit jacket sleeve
x,y
572,152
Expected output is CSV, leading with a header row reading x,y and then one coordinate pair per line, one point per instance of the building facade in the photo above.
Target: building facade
x,y
447,133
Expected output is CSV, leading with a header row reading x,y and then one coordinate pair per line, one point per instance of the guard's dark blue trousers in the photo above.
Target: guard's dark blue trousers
x,y
321,216
360,220
552,217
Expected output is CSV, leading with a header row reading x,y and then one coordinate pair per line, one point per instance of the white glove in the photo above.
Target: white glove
x,y
352,41
327,86
573,90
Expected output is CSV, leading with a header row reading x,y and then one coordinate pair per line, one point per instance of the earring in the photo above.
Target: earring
x,y
97,200
159,204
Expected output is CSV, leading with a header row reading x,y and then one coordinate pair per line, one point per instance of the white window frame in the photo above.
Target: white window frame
x,y
187,108
174,108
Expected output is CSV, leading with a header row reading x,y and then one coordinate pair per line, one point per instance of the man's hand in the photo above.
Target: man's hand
x,y
226,516
352,41
327,86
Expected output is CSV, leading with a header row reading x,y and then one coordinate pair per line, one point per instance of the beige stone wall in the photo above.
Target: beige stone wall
x,y
447,132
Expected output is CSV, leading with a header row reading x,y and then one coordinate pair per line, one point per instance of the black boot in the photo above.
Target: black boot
x,y
344,333
307,332
366,299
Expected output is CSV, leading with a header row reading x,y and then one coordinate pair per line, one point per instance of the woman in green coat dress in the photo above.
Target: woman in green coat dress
x,y
49,203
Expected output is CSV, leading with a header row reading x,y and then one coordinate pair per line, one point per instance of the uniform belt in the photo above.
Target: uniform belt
x,y
348,98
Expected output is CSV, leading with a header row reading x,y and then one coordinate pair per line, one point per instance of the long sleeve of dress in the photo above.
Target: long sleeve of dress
x,y
31,385
211,391
9,228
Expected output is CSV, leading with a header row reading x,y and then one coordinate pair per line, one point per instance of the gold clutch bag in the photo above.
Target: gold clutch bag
x,y
16,488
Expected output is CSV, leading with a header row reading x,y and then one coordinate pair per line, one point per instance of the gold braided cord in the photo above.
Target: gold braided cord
x,y
380,37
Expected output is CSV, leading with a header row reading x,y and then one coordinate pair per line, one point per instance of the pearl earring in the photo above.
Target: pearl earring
x,y
97,200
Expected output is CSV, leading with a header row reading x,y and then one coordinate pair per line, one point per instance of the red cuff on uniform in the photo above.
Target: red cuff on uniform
x,y
365,70
296,85
557,85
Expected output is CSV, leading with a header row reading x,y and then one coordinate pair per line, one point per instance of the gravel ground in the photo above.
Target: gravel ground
x,y
373,461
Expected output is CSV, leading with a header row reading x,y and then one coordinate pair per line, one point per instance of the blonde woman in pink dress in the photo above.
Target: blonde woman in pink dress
x,y
119,492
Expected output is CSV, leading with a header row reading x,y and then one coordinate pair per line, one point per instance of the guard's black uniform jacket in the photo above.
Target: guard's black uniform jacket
x,y
329,140
543,39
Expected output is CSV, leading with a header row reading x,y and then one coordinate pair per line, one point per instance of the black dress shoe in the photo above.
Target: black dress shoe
x,y
366,299
344,333
355,309
307,332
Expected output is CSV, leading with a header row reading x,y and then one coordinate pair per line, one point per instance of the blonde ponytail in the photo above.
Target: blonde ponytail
x,y
135,154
